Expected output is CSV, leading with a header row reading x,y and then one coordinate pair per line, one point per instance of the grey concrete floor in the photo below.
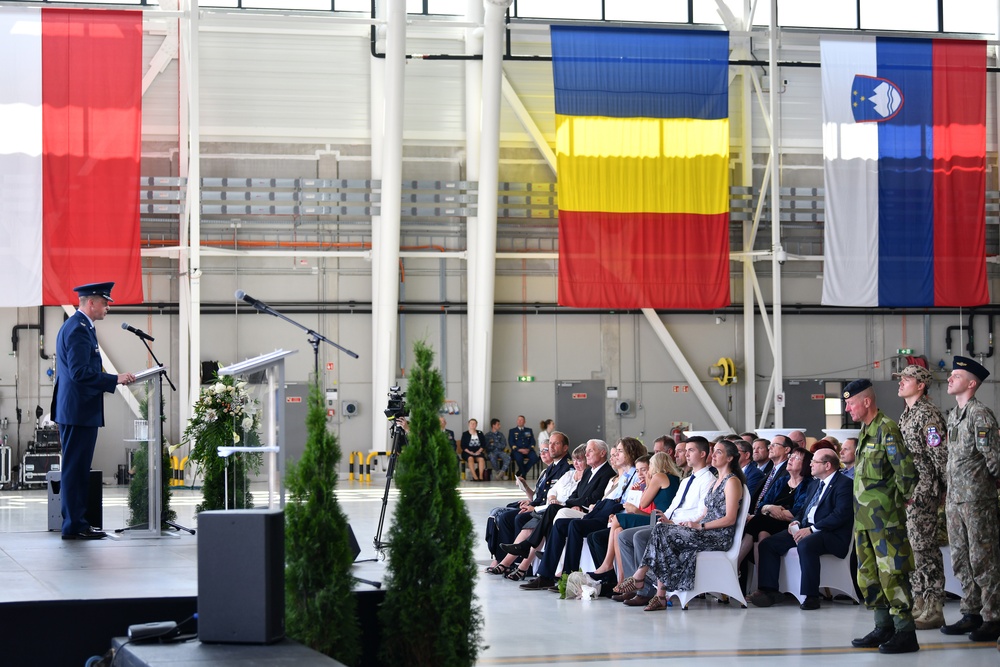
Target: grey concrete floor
x,y
521,628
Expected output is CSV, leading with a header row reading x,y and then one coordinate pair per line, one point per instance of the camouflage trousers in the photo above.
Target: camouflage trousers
x,y
884,563
927,578
975,553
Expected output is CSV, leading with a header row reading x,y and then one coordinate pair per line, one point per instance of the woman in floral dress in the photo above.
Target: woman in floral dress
x,y
673,548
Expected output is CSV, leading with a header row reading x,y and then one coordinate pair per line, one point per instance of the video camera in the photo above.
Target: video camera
x,y
397,407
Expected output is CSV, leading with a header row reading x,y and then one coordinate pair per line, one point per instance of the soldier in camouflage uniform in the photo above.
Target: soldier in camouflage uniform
x,y
973,471
923,429
884,479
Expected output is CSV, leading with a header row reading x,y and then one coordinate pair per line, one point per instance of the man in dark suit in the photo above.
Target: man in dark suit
x,y
78,404
761,456
755,478
508,523
522,446
824,527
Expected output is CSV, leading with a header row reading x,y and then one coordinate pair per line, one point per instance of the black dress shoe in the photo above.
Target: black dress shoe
x,y
811,602
762,598
964,625
538,584
901,642
554,588
875,638
521,549
89,534
987,632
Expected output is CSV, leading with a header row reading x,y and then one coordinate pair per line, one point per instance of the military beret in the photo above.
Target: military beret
x,y
856,387
95,289
918,373
971,365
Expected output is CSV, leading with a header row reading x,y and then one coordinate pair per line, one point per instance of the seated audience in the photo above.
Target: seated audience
x,y
474,451
755,478
673,547
589,513
521,440
559,493
496,449
502,524
848,452
662,481
688,503
823,526
778,506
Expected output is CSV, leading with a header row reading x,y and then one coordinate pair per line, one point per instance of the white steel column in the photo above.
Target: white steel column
x,y
380,428
473,141
385,297
746,159
483,262
189,263
778,256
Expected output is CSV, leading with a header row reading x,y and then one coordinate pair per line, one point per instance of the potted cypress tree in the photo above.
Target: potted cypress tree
x,y
430,607
320,609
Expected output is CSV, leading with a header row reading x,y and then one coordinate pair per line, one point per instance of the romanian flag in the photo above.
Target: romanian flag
x,y
904,157
70,133
642,147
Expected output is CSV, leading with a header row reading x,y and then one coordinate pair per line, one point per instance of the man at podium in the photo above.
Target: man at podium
x,y
78,404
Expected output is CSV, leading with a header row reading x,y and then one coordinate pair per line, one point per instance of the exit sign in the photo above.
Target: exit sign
x,y
525,378
905,350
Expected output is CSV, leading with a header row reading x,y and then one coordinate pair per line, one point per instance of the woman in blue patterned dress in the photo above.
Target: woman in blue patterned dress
x,y
673,548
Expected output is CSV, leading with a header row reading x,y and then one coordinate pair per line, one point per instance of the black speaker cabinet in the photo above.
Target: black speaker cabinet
x,y
241,576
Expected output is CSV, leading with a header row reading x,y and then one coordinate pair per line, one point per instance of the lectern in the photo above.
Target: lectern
x,y
273,443
154,452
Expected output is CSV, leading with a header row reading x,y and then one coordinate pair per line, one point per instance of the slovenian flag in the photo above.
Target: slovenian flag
x,y
904,156
70,132
642,148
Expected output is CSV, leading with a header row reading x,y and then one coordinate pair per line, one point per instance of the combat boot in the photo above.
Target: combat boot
x,y
933,616
919,604
904,641
875,638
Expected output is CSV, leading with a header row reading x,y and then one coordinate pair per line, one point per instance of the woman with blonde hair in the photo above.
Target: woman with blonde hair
x,y
661,482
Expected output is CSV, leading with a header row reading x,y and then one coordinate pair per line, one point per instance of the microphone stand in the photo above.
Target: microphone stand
x,y
314,337
158,364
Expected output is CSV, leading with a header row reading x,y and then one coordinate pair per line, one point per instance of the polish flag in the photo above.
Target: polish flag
x,y
70,133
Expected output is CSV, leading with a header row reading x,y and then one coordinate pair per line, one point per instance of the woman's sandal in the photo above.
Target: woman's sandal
x,y
498,569
629,585
656,603
517,574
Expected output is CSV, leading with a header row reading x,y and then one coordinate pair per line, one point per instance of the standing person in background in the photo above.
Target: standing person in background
x,y
923,429
522,444
545,428
78,404
883,483
971,508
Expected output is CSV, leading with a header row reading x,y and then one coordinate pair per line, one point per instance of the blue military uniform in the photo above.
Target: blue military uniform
x,y
78,408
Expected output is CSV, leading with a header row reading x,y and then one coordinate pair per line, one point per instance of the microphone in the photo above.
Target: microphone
x,y
259,305
138,332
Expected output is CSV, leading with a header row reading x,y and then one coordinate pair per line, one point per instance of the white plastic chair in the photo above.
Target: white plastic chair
x,y
715,571
834,573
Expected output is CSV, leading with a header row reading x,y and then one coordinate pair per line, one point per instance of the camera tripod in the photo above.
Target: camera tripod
x,y
398,440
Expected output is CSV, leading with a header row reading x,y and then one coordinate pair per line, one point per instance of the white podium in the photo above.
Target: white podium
x,y
273,443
